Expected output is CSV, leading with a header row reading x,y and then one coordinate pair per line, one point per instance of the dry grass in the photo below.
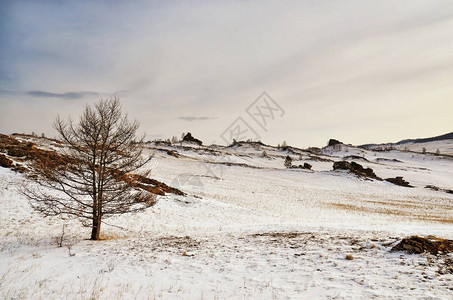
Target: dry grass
x,y
112,236
426,216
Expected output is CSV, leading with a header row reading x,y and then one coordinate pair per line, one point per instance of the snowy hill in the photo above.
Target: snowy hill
x,y
248,228
448,136
442,144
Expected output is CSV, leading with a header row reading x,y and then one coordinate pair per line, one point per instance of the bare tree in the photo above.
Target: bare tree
x,y
93,179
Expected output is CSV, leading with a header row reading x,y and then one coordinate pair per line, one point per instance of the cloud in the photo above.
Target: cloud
x,y
192,118
67,96
8,92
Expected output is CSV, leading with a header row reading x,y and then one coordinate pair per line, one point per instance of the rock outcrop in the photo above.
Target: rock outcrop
x,y
435,188
306,166
189,138
418,245
333,142
399,181
355,168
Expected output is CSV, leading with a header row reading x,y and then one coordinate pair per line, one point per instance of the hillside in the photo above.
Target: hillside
x,y
448,136
442,144
247,227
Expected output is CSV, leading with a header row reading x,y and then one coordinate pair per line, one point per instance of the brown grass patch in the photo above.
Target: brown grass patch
x,y
395,212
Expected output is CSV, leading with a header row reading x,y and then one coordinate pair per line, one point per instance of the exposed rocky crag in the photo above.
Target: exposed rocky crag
x,y
333,142
418,245
189,138
399,181
355,168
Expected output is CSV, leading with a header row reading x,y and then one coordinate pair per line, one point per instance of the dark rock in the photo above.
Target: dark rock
x,y
333,142
355,168
432,187
399,181
254,144
304,166
189,138
435,188
341,165
417,245
307,166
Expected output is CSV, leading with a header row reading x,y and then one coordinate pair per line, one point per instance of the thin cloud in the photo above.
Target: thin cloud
x,y
8,93
67,96
192,118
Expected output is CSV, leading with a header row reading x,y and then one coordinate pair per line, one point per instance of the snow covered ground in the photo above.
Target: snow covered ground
x,y
444,147
249,229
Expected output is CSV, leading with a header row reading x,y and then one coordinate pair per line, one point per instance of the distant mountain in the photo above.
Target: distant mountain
x,y
448,136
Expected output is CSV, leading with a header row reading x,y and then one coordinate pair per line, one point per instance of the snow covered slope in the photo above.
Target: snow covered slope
x,y
249,228
441,145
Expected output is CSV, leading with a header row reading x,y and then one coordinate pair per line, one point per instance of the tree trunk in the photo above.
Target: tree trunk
x,y
96,230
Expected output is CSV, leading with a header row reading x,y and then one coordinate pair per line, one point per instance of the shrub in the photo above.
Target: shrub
x,y
288,161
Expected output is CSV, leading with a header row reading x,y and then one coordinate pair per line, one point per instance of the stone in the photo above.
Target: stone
x,y
333,142
189,138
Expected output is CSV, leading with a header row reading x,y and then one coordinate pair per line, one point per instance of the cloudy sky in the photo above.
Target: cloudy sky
x,y
358,71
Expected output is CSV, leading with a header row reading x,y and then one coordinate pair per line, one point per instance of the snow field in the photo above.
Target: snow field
x,y
242,233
